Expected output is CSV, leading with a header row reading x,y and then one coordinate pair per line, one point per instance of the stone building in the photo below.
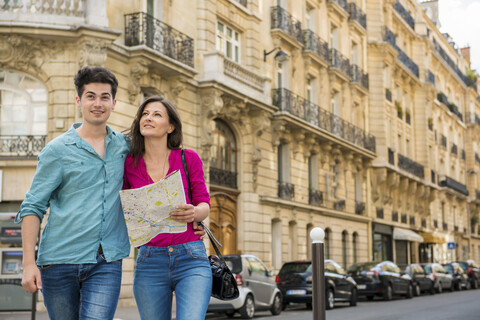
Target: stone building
x,y
306,114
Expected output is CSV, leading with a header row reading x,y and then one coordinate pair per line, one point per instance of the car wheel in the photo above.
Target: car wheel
x,y
248,309
276,307
370,298
330,297
309,306
409,293
230,314
388,294
439,288
452,287
284,305
458,286
417,291
353,298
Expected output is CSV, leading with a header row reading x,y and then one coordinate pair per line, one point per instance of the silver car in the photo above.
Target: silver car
x,y
441,278
258,290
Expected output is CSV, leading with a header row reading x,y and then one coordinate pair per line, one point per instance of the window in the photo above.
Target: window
x,y
358,186
292,240
310,18
354,246
408,147
334,37
276,244
223,161
335,103
327,243
228,42
282,75
354,53
283,163
313,172
344,248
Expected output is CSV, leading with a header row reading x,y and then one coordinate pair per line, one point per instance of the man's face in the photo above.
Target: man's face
x,y
96,103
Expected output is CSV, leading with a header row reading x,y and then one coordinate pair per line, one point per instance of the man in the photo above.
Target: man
x,y
79,176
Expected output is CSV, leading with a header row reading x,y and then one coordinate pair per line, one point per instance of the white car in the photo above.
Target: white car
x,y
258,290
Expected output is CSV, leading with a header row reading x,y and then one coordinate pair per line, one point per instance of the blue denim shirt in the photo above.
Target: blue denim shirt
x,y
82,191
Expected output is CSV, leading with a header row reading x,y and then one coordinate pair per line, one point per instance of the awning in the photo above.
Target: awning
x,y
404,234
431,238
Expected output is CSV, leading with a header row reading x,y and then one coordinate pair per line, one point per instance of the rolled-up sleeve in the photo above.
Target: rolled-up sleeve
x,y
48,177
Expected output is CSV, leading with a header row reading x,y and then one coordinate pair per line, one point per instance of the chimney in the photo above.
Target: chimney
x,y
466,53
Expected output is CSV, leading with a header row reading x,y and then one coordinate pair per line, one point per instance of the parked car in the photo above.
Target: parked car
x,y
459,276
258,290
440,276
381,279
421,282
473,271
295,282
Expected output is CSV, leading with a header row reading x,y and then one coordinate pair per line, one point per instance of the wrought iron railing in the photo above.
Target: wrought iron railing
x,y
390,38
388,94
395,216
453,184
411,166
339,205
339,62
430,77
314,43
403,218
286,190
284,21
359,207
359,76
356,14
315,197
341,3
143,29
391,156
454,149
404,14
380,213
223,177
450,62
21,146
289,102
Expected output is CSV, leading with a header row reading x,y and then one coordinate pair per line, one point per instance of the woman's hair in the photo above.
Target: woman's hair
x,y
174,139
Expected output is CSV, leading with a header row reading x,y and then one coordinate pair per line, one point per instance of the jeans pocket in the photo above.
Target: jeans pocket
x,y
140,257
45,266
198,253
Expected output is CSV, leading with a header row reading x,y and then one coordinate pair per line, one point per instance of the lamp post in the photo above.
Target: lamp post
x,y
318,274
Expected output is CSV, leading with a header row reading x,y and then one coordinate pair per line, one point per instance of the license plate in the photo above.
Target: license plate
x,y
296,291
362,286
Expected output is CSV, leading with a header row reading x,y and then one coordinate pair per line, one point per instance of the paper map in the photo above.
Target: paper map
x,y
147,209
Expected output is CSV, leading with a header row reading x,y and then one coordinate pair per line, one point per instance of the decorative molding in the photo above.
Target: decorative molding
x,y
93,52
137,72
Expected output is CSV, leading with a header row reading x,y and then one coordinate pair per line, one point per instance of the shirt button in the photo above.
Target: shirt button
x,y
170,249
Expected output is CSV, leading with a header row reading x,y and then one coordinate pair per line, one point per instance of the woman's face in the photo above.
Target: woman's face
x,y
154,121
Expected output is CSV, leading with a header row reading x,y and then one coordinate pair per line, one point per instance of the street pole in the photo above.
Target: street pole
x,y
318,274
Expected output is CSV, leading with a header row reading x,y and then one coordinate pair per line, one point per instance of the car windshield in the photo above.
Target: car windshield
x,y
428,268
362,267
296,267
449,268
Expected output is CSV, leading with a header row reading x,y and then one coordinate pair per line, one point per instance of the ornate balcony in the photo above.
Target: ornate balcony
x,y
390,38
284,21
315,197
143,29
450,62
356,14
341,3
286,190
223,177
430,77
404,14
314,43
287,101
454,185
411,166
21,147
358,76
242,2
359,207
339,62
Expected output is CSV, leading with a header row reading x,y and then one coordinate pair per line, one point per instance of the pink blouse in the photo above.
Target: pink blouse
x,y
137,177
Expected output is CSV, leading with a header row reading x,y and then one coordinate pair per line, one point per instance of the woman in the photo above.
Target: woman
x,y
170,261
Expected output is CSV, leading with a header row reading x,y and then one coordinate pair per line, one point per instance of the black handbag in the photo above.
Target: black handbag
x,y
224,284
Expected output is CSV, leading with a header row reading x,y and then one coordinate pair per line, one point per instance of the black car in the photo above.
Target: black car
x,y
382,279
473,271
460,278
295,282
421,282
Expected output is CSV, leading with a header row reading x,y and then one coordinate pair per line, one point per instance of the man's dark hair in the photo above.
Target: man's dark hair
x,y
88,75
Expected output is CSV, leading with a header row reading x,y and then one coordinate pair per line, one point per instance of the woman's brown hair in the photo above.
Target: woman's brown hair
x,y
174,139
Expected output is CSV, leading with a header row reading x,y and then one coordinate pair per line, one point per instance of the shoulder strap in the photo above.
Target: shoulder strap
x,y
185,168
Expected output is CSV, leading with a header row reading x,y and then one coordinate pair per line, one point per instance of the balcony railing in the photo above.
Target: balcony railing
x,y
395,216
356,14
411,166
143,29
287,101
286,190
404,14
284,21
359,76
454,185
223,177
454,149
380,213
21,146
340,62
359,207
430,77
391,156
314,43
339,205
390,38
315,197
450,62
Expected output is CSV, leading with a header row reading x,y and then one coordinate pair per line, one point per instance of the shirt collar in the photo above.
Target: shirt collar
x,y
72,137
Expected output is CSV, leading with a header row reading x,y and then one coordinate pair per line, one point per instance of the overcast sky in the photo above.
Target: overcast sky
x,y
461,19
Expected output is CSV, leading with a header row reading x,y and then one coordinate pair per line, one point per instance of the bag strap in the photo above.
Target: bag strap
x,y
207,230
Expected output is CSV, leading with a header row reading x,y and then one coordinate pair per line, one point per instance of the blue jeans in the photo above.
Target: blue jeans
x,y
182,268
82,291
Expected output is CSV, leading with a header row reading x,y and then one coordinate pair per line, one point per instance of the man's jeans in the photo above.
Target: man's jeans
x,y
82,291
182,268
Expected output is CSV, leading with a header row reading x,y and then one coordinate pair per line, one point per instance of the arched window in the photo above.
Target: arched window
x,y
328,235
344,249
354,246
223,161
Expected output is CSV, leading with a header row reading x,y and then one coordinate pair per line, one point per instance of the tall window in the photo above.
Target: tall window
x,y
358,186
344,249
443,213
310,18
228,41
276,244
283,163
23,105
334,42
292,240
355,53
354,247
313,172
327,240
335,102
282,75
223,161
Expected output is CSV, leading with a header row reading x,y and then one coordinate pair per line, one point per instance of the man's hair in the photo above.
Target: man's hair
x,y
174,139
88,75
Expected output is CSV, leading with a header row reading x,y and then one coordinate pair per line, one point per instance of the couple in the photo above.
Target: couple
x,y
79,176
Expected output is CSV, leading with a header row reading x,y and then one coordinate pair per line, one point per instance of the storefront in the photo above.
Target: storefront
x,y
382,242
432,243
406,242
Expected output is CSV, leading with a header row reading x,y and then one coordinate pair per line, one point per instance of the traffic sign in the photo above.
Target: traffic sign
x,y
451,245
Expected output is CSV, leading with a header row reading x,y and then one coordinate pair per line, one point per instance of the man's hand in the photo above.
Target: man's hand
x,y
31,280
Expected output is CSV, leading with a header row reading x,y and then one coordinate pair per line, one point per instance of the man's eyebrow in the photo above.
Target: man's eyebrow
x,y
103,93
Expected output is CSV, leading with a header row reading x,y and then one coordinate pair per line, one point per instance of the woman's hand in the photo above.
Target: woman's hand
x,y
184,213
199,230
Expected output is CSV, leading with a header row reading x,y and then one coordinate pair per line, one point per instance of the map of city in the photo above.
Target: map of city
x,y
147,209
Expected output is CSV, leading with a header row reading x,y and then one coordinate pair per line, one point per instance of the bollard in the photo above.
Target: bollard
x,y
318,274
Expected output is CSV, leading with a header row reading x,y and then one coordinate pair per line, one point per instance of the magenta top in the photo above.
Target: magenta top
x,y
137,177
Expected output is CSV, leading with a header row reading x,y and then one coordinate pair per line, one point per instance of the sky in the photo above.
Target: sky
x,y
461,20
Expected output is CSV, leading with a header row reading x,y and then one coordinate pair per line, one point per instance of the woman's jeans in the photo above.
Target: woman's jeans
x,y
182,268
82,291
